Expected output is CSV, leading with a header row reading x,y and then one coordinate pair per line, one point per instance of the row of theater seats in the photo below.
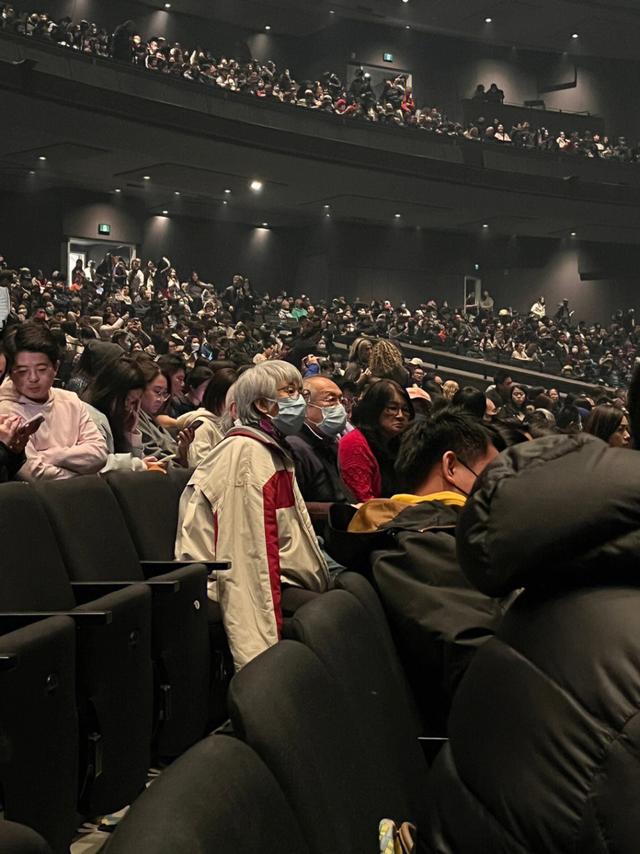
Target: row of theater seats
x,y
327,745
111,655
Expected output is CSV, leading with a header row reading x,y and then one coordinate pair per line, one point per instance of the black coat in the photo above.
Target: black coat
x,y
10,463
544,750
316,461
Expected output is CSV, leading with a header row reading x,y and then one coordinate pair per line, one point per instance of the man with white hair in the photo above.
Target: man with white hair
x,y
243,505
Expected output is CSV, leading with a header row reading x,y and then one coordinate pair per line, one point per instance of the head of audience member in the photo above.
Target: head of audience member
x,y
270,395
215,394
325,410
360,351
196,383
421,400
173,366
117,392
384,412
517,398
386,360
449,389
446,453
503,382
33,357
474,402
609,424
569,419
156,388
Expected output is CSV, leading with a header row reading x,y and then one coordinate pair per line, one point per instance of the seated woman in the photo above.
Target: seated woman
x,y
516,408
156,440
609,424
113,400
386,363
366,455
243,504
358,365
206,421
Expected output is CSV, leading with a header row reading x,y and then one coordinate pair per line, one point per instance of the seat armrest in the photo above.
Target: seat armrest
x,y
157,567
82,618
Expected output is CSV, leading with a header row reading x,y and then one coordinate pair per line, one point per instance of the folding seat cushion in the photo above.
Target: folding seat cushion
x,y
39,724
18,839
95,544
338,629
113,630
289,709
218,798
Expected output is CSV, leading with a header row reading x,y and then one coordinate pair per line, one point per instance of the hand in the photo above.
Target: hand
x,y
154,464
9,425
185,438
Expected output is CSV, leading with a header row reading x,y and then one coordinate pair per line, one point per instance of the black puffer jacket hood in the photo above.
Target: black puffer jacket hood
x,y
550,511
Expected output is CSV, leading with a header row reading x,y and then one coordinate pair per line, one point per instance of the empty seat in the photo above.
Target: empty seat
x,y
95,544
114,673
289,709
218,798
18,839
344,636
39,725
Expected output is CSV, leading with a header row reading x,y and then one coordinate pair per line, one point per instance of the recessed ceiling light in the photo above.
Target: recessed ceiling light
x,y
573,234
405,1
165,213
117,190
167,5
146,177
331,12
327,214
575,35
488,20
227,191
32,171
397,215
256,186
267,28
225,202
407,27
485,225
176,192
42,157
265,225
326,207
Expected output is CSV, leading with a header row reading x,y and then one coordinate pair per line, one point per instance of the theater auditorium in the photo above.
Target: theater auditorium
x,y
319,400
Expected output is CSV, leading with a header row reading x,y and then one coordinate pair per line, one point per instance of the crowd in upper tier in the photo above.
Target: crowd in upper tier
x,y
393,105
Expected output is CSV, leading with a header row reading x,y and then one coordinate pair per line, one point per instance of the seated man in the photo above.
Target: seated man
x,y
437,618
315,447
66,443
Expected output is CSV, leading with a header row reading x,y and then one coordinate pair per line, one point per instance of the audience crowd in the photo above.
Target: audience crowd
x,y
393,105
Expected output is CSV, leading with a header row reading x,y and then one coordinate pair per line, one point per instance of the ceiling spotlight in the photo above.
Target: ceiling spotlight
x,y
265,225
42,157
117,190
267,28
331,12
326,207
176,192
488,20
146,177
227,191
256,186
32,171
407,27
327,214
405,1
397,215
573,234
164,213
167,5
225,202
575,35
485,225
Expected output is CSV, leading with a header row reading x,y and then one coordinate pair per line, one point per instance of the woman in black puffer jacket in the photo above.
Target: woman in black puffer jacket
x,y
544,750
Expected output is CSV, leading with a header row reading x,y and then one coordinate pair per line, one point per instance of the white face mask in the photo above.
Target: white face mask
x,y
334,419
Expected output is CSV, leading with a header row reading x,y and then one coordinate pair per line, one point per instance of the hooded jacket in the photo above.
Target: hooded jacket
x,y
243,505
207,434
437,617
544,750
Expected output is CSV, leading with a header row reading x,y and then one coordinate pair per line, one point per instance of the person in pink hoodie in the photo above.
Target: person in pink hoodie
x,y
66,443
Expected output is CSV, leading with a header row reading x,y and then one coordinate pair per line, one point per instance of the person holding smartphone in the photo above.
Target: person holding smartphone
x,y
14,435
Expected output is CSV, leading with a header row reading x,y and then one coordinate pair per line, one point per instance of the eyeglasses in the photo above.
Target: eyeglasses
x,y
294,393
161,395
394,409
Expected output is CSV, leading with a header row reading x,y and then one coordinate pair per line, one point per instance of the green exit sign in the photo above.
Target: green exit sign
x,y
104,228
388,57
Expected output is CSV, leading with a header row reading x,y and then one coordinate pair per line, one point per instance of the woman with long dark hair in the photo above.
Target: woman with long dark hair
x,y
609,424
366,455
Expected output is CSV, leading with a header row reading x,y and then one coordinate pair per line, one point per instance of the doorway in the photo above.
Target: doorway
x,y
95,250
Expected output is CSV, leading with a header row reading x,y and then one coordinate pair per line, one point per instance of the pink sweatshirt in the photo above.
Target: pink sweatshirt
x,y
67,444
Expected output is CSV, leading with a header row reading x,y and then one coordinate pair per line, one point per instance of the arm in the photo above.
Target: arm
x,y
10,461
89,453
356,465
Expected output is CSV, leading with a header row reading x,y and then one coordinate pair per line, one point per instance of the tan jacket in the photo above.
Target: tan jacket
x,y
243,504
206,436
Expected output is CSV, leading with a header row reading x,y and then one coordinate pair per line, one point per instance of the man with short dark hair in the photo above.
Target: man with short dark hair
x,y
500,391
67,443
437,618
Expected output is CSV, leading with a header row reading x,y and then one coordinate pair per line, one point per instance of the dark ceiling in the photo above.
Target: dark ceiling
x,y
607,28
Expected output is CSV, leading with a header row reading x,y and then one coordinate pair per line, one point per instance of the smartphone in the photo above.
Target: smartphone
x,y
195,424
32,425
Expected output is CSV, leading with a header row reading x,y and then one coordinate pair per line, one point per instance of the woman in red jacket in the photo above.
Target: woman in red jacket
x,y
366,455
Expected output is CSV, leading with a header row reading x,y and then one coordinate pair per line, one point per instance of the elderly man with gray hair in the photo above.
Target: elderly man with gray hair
x,y
243,505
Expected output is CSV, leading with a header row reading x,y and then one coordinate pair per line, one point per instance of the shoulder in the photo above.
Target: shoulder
x,y
352,440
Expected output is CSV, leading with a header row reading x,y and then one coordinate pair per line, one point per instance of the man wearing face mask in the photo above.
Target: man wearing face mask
x,y
243,505
438,620
315,447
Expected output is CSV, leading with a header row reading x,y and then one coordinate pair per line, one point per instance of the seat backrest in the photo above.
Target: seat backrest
x,y
287,707
149,504
363,590
92,535
32,575
338,629
180,477
218,798
18,839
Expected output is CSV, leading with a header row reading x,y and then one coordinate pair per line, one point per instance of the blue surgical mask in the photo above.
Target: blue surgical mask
x,y
291,414
334,420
